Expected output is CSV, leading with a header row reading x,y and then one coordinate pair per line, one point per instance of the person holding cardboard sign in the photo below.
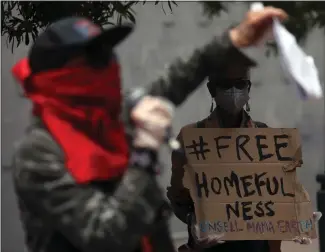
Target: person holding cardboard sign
x,y
229,87
229,113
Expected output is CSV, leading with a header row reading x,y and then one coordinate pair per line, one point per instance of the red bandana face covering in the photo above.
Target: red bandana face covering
x,y
80,106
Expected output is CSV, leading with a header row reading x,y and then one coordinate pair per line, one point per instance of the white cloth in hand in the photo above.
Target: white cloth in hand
x,y
204,240
152,117
298,67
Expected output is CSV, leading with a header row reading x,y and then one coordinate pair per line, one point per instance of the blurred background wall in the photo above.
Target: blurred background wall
x,y
158,39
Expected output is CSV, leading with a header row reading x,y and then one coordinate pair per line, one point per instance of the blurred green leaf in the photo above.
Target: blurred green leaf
x,y
304,16
21,21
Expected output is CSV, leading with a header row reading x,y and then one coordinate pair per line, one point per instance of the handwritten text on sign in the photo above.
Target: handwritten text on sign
x,y
237,181
241,145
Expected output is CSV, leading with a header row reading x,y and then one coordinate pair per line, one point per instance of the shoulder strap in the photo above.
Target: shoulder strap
x,y
260,125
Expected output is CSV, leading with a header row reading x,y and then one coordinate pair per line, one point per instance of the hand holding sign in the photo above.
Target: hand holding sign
x,y
205,241
305,240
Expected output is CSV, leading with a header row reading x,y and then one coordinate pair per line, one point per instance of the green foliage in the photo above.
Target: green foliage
x,y
22,21
304,16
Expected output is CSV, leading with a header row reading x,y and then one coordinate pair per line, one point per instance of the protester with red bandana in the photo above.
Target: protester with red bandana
x,y
80,186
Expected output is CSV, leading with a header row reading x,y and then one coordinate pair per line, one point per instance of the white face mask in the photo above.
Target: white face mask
x,y
232,100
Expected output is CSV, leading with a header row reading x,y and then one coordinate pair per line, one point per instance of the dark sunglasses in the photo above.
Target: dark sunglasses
x,y
238,83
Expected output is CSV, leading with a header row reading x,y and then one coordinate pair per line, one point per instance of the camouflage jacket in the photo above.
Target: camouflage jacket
x,y
60,215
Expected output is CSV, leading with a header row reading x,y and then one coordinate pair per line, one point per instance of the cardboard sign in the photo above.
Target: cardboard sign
x,y
243,183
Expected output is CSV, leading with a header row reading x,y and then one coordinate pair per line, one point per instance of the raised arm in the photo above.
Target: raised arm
x,y
184,76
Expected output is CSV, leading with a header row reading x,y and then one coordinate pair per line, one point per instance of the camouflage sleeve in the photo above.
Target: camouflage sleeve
x,y
184,76
178,195
89,218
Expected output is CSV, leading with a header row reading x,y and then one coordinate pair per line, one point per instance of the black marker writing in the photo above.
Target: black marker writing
x,y
242,186
247,211
199,149
240,146
279,146
203,185
218,146
261,146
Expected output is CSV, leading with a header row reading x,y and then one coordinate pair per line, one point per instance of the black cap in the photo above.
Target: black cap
x,y
70,37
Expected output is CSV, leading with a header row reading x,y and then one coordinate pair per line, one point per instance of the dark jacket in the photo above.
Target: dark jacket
x,y
182,203
60,215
